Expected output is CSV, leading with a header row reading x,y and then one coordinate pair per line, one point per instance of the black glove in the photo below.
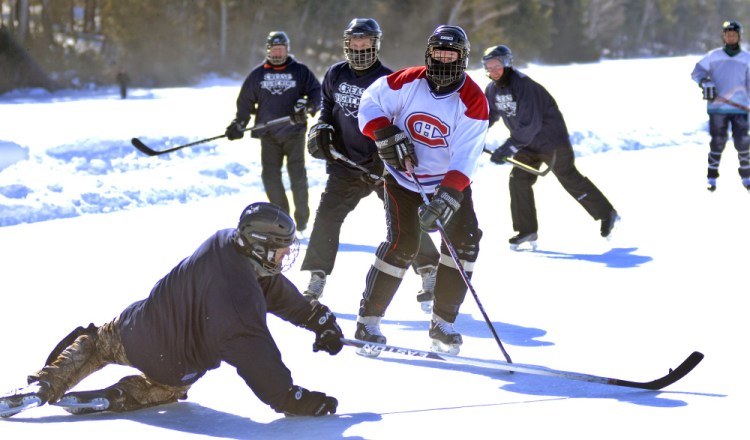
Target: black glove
x,y
709,89
443,205
327,333
504,151
236,129
300,112
301,402
394,147
320,141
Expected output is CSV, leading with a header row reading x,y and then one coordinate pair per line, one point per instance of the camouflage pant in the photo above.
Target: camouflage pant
x,y
91,350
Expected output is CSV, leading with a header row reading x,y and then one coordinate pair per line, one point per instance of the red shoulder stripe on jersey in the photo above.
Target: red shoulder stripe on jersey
x,y
375,124
397,80
456,180
474,100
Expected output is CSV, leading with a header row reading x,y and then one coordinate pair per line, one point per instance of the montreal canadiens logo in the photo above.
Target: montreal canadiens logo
x,y
427,129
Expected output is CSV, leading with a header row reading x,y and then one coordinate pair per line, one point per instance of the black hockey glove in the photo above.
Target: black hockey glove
x,y
443,205
300,112
320,141
327,333
236,129
394,147
504,151
301,402
709,89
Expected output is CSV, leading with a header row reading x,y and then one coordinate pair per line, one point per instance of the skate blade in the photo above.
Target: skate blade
x,y
26,403
525,246
441,347
75,406
368,353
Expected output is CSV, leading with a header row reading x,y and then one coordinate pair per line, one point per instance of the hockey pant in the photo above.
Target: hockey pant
x,y
273,149
718,126
341,196
394,255
522,203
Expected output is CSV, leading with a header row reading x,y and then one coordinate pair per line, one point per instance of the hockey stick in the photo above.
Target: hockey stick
x,y
457,261
340,157
528,168
143,148
732,103
673,376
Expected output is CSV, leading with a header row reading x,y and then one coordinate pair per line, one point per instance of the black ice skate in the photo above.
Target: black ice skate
x,y
32,395
608,224
746,183
523,240
317,284
368,330
445,338
426,295
87,402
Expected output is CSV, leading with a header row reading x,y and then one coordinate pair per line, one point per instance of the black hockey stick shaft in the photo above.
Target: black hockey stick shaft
x,y
143,148
673,376
457,262
340,157
529,169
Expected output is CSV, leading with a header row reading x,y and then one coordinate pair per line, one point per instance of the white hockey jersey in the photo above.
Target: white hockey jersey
x,y
448,130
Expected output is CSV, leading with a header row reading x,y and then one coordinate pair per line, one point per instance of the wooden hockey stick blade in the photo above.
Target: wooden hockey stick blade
x,y
529,168
673,376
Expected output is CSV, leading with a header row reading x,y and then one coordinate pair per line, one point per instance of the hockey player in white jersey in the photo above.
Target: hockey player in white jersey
x,y
433,118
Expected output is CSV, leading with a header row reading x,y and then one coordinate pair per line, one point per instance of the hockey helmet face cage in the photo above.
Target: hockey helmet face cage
x,y
266,234
447,38
360,58
277,38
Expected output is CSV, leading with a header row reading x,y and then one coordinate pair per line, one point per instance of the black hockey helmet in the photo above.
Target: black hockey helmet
x,y
451,38
731,25
276,38
263,230
501,53
362,27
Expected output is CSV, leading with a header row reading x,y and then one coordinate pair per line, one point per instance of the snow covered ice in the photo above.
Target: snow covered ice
x,y
89,225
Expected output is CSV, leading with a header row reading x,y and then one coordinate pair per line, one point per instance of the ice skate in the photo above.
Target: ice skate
x,y
32,395
445,338
608,224
86,402
368,330
426,295
711,185
523,241
746,183
317,283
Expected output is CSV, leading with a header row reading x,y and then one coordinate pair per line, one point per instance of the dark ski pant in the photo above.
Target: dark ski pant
x,y
522,204
341,196
718,127
397,252
273,151
86,351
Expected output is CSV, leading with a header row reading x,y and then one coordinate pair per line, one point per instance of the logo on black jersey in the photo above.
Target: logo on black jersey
x,y
277,83
347,96
427,129
505,104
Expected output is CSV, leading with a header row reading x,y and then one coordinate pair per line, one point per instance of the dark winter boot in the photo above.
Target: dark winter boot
x,y
521,238
35,394
86,402
711,184
445,338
